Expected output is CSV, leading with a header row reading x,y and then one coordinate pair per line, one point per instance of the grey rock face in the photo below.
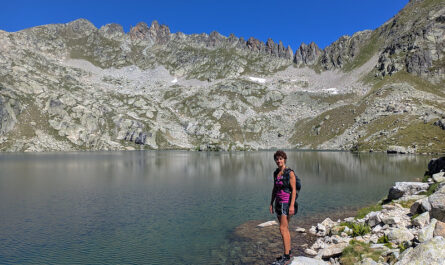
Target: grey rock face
x,y
429,252
440,229
307,54
400,235
427,232
437,201
422,220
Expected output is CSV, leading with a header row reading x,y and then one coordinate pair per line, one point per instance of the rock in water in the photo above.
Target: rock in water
x,y
406,188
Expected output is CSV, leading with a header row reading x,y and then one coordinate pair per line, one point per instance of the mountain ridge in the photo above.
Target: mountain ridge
x,y
76,87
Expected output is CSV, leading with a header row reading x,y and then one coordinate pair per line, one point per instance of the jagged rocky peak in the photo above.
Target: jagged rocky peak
x,y
307,54
278,49
156,33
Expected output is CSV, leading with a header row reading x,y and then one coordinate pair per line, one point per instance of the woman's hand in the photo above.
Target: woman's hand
x,y
271,209
291,210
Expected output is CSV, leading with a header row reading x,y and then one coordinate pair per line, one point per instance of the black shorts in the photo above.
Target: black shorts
x,y
283,208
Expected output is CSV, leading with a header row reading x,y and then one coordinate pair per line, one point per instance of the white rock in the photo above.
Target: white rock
x,y
332,250
310,252
313,230
300,230
401,189
307,261
422,220
269,223
377,229
439,177
427,232
400,235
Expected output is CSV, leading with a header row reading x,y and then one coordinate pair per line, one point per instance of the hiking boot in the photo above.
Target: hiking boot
x,y
282,261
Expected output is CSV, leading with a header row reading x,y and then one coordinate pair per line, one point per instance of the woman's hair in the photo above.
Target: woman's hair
x,y
280,153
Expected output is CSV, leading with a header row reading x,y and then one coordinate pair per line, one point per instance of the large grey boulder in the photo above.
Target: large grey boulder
x,y
400,235
437,201
300,260
439,177
394,149
430,252
332,250
420,206
406,188
440,229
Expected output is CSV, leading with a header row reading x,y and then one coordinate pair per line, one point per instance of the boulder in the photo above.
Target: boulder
x,y
373,218
270,223
401,189
427,232
400,235
422,220
310,252
394,149
307,261
436,165
437,201
439,177
430,252
440,229
420,206
332,250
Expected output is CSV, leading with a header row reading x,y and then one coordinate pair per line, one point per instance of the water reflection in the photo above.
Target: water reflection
x,y
169,206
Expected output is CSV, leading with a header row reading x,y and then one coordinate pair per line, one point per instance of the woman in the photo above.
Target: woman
x,y
284,193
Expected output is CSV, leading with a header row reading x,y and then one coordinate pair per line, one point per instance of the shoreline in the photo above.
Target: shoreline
x,y
399,229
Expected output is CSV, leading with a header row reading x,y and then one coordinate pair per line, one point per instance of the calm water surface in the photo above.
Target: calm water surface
x,y
167,207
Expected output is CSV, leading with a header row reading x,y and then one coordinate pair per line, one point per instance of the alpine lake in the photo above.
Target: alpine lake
x,y
170,207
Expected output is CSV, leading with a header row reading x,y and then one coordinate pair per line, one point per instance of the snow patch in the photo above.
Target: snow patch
x,y
332,90
174,81
257,79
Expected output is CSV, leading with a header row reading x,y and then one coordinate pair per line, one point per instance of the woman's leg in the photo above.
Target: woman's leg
x,y
284,229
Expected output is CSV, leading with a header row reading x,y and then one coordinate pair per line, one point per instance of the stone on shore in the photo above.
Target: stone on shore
x,y
439,177
401,189
440,229
437,201
400,235
430,252
307,261
270,223
422,220
420,206
332,250
427,232
310,252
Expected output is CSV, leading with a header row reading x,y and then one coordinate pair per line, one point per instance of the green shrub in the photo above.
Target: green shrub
x,y
383,240
357,229
357,251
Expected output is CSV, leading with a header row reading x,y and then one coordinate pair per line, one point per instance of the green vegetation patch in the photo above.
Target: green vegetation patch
x,y
358,229
366,52
364,211
431,189
326,125
357,251
231,127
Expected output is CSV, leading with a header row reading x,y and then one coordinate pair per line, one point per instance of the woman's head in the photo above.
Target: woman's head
x,y
280,157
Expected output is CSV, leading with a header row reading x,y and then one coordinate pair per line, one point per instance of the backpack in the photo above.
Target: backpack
x,y
286,181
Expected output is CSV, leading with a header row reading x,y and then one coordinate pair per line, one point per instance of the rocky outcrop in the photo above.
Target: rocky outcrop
x,y
430,252
437,201
401,189
307,54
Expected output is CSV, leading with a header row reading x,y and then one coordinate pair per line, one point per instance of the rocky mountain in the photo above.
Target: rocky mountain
x,y
75,87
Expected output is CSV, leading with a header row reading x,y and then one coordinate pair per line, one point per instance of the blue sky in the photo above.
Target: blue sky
x,y
293,22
